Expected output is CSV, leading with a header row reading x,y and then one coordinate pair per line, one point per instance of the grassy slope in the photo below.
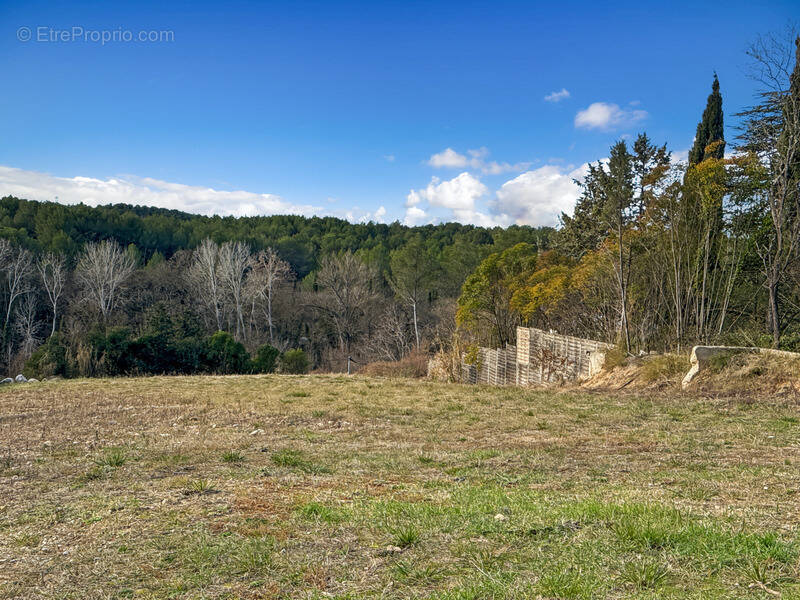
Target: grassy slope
x,y
324,486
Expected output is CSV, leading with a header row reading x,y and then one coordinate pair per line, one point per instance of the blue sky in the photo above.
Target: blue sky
x,y
365,110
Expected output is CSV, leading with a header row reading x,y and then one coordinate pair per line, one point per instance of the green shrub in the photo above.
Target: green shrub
x,y
110,351
189,355
265,359
294,361
223,354
791,341
51,358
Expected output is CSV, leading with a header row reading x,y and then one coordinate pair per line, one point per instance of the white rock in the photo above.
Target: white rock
x,y
21,378
7,380
500,517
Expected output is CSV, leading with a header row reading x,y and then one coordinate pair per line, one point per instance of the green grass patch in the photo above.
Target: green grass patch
x,y
231,456
297,460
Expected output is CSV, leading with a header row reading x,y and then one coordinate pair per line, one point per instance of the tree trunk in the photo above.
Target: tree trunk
x,y
623,288
772,288
269,315
701,322
217,314
416,329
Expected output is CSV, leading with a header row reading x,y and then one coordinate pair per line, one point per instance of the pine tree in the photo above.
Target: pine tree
x,y
710,129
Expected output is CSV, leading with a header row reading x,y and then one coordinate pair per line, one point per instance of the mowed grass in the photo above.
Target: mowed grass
x,y
337,487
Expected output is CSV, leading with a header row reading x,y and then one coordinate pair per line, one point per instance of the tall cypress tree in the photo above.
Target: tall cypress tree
x,y
704,203
710,129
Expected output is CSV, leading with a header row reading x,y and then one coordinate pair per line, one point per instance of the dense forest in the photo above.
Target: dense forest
x,y
657,255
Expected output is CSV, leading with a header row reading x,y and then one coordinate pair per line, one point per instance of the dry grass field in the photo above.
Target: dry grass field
x,y
337,487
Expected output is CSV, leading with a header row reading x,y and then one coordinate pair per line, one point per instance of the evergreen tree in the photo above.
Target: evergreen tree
x,y
710,129
704,193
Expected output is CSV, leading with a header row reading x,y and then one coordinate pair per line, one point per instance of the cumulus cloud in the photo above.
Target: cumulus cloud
x,y
679,156
144,191
474,159
458,194
538,197
557,96
458,197
415,216
606,116
448,158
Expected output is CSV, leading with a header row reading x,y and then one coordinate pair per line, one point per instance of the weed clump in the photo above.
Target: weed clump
x,y
113,457
406,536
664,366
232,457
615,357
200,486
294,459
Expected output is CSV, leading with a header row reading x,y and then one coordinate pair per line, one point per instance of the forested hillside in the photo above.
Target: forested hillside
x,y
127,289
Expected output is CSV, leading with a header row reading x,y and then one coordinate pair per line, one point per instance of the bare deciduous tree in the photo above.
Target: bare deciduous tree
x,y
17,263
27,326
268,271
347,286
233,265
204,274
53,273
391,338
771,138
103,268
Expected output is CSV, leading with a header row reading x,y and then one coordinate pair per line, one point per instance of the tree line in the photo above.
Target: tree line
x,y
661,255
109,290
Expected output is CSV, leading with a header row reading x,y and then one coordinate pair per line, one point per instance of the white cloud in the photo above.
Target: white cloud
x,y
458,194
678,156
607,116
473,159
538,197
458,197
357,214
144,191
449,159
389,157
415,216
557,96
